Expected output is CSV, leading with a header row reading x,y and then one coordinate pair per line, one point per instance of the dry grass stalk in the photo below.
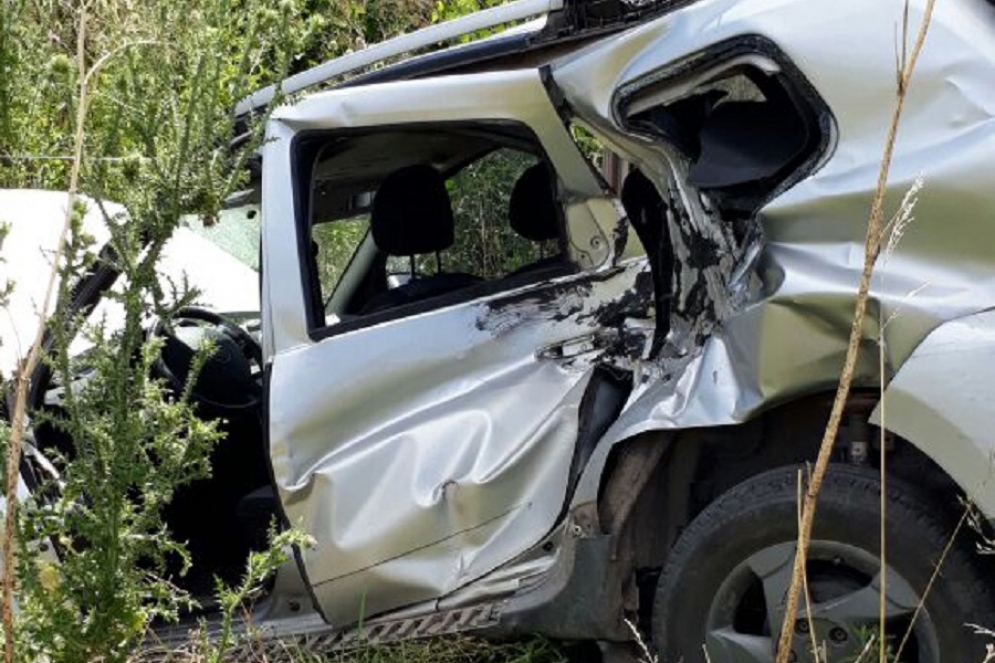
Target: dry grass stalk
x,y
872,246
894,230
28,366
883,474
867,648
644,650
932,579
808,596
989,648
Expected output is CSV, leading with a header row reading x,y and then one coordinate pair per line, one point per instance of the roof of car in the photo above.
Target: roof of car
x,y
553,23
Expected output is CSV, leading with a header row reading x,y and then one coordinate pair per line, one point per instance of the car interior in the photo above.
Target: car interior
x,y
744,132
449,213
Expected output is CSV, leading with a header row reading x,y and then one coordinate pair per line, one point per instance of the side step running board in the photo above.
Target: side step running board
x,y
314,638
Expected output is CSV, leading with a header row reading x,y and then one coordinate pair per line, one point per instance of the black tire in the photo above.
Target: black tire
x,y
757,520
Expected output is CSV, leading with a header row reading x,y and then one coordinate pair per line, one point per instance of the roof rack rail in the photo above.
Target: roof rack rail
x,y
433,34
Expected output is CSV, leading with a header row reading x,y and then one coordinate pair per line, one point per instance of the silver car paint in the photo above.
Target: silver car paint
x,y
445,449
373,476
508,95
789,337
943,396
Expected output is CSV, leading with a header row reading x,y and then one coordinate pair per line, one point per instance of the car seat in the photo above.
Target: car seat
x,y
412,215
534,213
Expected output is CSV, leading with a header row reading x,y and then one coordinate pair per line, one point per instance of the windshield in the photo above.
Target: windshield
x,y
236,232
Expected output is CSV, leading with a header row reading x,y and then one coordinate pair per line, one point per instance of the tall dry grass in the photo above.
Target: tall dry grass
x,y
905,67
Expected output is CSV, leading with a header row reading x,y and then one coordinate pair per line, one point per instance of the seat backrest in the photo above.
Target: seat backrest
x,y
532,210
744,142
412,212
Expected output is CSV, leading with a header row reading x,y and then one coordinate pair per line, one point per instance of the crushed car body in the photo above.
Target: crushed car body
x,y
536,436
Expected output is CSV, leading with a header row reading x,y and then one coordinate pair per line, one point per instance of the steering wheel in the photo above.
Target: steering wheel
x,y
226,381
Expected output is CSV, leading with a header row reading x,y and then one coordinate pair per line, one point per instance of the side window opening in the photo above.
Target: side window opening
x,y
606,164
743,134
738,126
334,245
400,216
491,239
612,169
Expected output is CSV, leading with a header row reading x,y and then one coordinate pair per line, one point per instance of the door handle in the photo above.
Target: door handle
x,y
577,346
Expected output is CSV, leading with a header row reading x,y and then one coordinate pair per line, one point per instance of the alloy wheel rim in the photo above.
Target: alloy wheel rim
x,y
844,582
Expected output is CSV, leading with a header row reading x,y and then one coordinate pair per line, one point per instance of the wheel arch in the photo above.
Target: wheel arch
x,y
643,489
939,401
689,469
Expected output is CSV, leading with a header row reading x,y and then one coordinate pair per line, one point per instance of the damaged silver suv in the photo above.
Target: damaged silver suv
x,y
599,422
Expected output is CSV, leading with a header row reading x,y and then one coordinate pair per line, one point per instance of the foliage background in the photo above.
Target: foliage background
x,y
38,74
164,76
127,119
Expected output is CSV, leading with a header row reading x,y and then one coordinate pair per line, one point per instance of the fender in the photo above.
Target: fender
x,y
942,400
716,387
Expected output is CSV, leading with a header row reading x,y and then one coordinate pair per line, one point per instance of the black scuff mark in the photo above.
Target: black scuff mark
x,y
705,250
553,304
635,302
632,344
702,256
624,346
702,252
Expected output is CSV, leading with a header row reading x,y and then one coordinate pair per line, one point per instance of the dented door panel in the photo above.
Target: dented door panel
x,y
423,453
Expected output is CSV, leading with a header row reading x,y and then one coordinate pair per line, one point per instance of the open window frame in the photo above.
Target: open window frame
x,y
769,71
306,149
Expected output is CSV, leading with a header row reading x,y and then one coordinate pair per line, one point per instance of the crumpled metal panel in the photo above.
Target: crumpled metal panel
x,y
408,505
424,452
789,336
444,452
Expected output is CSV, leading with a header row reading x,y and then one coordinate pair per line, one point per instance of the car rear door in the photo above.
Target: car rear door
x,y
425,451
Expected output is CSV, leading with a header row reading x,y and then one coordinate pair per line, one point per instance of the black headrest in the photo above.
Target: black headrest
x,y
533,210
412,212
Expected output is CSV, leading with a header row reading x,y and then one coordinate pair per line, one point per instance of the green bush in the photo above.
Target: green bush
x,y
162,79
163,76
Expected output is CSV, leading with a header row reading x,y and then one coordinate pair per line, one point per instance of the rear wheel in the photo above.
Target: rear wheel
x,y
723,586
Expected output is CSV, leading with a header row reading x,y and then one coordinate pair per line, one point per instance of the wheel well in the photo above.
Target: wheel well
x,y
699,465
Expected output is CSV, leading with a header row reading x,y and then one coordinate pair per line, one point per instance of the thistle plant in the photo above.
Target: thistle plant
x,y
151,94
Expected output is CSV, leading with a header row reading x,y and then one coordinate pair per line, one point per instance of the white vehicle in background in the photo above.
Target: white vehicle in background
x,y
215,260
605,424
